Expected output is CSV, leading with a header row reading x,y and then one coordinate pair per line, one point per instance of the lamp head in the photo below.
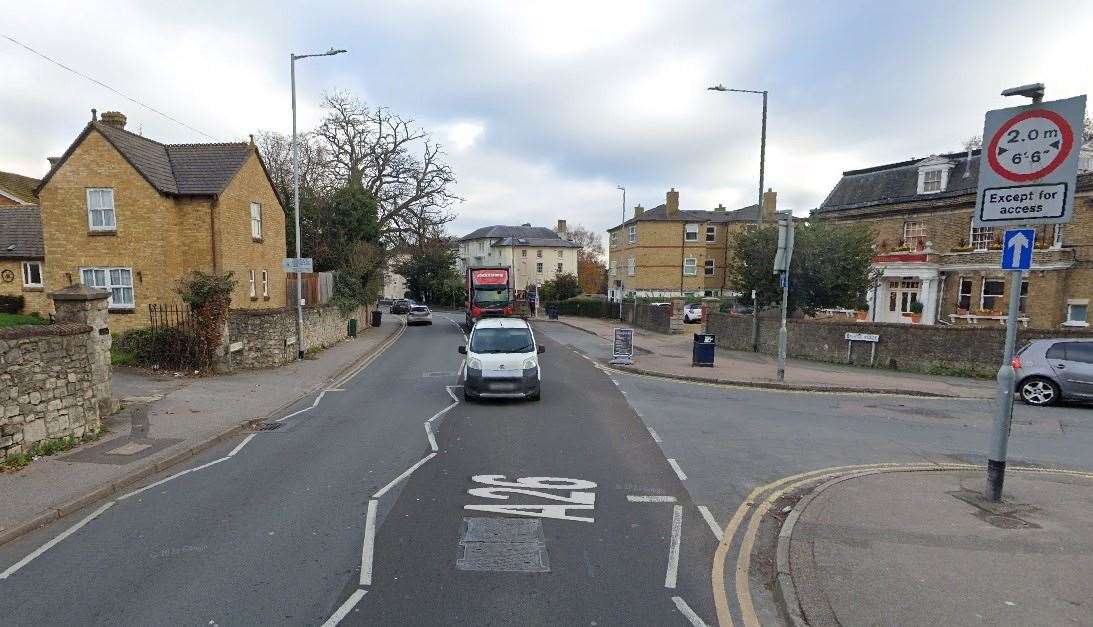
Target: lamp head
x,y
718,87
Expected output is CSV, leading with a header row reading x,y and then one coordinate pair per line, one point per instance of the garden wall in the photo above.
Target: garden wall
x,y
267,335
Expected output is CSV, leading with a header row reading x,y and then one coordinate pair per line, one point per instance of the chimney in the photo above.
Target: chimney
x,y
94,115
561,230
638,210
770,205
526,224
113,118
671,202
53,161
720,207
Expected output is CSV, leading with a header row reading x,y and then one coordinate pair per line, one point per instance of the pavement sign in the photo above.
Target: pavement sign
x,y
1029,164
622,348
1017,249
298,264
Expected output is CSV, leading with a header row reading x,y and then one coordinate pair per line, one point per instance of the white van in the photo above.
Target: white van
x,y
502,360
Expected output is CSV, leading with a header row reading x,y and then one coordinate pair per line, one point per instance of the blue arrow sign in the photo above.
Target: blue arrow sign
x,y
1017,249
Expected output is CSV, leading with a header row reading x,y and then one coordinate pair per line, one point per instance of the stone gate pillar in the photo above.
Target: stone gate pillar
x,y
81,304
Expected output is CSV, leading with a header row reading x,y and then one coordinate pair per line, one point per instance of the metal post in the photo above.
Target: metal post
x,y
754,323
782,330
762,158
296,208
1003,398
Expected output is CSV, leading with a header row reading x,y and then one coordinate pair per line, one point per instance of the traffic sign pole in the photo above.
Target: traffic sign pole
x,y
1003,416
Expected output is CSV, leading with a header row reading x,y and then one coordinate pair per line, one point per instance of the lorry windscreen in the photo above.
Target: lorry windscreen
x,y
491,295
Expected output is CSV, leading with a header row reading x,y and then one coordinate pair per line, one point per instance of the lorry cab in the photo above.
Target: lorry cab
x,y
489,294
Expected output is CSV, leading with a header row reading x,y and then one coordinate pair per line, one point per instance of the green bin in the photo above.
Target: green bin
x,y
352,327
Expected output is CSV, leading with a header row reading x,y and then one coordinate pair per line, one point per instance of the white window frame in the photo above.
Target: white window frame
x,y
1057,239
26,274
983,291
253,291
1076,302
691,264
614,267
960,290
111,211
711,233
559,253
109,285
539,253
632,233
560,267
690,232
265,284
977,230
539,267
523,252
930,177
709,267
256,220
913,231
614,238
630,267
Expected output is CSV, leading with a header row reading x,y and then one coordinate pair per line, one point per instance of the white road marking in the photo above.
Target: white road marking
x,y
673,549
718,532
344,610
242,444
300,411
432,438
368,550
174,476
443,411
686,610
335,389
448,389
675,466
52,543
656,436
650,499
405,474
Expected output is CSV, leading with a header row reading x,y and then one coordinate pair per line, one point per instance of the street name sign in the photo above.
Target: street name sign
x,y
1029,163
863,337
622,348
1017,249
298,264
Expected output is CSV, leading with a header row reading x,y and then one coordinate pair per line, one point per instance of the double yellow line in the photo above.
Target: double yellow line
x,y
774,491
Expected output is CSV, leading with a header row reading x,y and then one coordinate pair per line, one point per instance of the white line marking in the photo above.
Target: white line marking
x,y
368,550
405,474
432,438
673,549
650,499
686,610
718,532
675,466
172,477
656,436
242,444
344,610
448,389
335,389
443,411
52,543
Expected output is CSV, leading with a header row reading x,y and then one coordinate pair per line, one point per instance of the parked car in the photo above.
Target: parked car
x,y
400,306
1051,370
502,360
419,314
692,312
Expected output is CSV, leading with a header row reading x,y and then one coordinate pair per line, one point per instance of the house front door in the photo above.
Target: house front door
x,y
901,295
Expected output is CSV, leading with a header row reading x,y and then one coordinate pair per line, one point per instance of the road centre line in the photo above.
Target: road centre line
x,y
172,477
405,474
314,404
686,610
345,608
52,543
368,548
432,438
673,548
712,522
381,349
675,466
240,446
448,389
650,499
656,436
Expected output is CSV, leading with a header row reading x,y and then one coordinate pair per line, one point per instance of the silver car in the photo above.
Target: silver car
x,y
1051,370
419,314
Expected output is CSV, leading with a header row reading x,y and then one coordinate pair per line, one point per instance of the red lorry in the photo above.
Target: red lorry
x,y
489,294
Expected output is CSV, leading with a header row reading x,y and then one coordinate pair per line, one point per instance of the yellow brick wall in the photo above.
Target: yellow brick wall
x,y
238,252
35,298
659,251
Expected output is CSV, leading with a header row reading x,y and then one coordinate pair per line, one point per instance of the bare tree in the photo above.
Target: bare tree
x,y
973,143
590,242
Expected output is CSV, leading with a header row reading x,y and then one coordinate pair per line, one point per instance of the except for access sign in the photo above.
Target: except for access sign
x,y
298,264
1029,165
1017,249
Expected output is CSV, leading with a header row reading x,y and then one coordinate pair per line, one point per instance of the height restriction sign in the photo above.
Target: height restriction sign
x,y
1029,163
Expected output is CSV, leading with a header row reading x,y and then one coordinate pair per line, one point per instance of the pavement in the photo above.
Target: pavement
x,y
165,419
670,356
923,548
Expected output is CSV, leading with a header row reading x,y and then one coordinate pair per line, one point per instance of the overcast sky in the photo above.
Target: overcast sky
x,y
544,107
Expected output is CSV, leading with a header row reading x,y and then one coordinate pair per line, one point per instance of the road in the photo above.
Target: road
x,y
385,500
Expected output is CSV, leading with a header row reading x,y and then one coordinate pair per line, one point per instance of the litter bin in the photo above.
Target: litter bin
x,y
352,327
377,317
704,347
552,312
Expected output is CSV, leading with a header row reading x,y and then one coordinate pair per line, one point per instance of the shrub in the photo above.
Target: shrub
x,y
209,296
165,347
11,304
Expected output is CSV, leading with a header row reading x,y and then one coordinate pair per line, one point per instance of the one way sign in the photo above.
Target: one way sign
x,y
1017,249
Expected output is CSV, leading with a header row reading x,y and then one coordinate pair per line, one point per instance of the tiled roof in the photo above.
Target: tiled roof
x,y
554,242
498,230
660,212
898,182
22,187
21,233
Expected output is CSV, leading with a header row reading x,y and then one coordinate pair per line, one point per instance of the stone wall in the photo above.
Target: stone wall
x,y
901,346
657,319
47,389
266,334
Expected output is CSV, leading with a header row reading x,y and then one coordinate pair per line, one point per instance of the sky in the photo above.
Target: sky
x,y
544,108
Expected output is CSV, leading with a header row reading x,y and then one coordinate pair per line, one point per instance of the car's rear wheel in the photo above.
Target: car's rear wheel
x,y
1039,391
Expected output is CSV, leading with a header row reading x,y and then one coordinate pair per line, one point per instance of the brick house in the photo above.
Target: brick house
x,y
927,250
668,251
132,215
21,257
535,253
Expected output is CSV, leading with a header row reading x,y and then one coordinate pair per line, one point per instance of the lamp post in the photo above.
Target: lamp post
x,y
293,57
762,140
620,187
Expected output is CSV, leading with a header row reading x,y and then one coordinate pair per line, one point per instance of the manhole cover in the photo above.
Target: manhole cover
x,y
503,545
268,426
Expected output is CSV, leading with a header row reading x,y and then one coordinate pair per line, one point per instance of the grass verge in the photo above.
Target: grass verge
x,y
48,447
14,320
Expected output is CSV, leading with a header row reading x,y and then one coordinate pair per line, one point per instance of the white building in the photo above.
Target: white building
x,y
535,253
394,284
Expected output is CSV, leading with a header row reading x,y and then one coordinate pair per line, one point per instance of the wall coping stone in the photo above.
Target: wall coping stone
x,y
80,291
43,330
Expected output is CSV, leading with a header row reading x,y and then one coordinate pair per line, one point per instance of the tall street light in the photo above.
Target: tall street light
x,y
296,195
762,140
620,187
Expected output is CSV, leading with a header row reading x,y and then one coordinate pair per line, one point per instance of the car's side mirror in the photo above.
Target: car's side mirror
x,y
462,350
542,349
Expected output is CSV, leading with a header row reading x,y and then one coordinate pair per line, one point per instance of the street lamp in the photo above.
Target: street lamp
x,y
296,194
762,140
620,187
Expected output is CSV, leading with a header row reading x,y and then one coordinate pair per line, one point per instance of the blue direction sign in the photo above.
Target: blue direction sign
x,y
1017,249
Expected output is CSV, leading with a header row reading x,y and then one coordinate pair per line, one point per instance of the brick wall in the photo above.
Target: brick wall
x,y
901,346
47,389
264,333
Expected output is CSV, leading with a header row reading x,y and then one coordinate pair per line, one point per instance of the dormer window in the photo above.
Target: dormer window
x,y
933,175
931,181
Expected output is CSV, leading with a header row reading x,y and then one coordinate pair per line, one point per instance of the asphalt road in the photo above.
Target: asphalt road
x,y
310,521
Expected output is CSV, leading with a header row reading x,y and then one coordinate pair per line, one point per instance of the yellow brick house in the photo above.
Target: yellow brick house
x,y
132,215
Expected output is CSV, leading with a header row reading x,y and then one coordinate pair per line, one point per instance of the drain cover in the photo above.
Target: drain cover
x,y
268,426
503,545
